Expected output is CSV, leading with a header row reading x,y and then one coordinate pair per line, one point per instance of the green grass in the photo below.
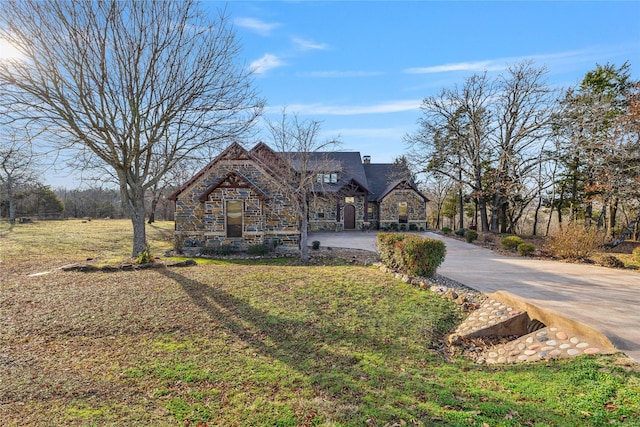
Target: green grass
x,y
242,344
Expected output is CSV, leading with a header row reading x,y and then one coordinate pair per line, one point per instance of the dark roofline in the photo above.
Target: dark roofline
x,y
204,196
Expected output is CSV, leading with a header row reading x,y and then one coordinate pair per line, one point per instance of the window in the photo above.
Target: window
x,y
403,212
327,178
234,218
349,199
320,214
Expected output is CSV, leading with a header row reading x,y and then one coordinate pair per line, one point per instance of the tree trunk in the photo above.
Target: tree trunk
x,y
12,202
613,212
133,201
304,225
483,216
535,216
625,233
504,224
588,214
461,208
495,213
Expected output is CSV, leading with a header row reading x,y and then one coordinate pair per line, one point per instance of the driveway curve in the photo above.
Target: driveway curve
x,y
605,299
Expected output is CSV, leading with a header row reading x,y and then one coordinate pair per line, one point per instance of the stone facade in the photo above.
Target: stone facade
x,y
416,209
202,223
237,201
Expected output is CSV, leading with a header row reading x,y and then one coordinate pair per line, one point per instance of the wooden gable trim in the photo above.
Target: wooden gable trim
x,y
354,187
406,185
233,180
234,151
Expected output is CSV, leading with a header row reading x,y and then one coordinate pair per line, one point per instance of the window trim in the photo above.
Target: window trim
x,y
233,232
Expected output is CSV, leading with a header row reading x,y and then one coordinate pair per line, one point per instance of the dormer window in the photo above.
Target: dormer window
x,y
327,178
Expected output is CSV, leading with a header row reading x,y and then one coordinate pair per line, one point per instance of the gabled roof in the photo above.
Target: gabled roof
x,y
234,150
233,180
347,164
384,177
376,179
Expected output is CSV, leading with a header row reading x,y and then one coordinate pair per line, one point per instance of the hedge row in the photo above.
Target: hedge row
x,y
411,254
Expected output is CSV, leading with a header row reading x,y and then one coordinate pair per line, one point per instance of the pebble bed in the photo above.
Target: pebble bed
x,y
543,344
546,343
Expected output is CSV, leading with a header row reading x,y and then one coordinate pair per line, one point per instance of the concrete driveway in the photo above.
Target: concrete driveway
x,y
605,299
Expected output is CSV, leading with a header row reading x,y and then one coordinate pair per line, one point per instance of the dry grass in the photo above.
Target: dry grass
x,y
230,343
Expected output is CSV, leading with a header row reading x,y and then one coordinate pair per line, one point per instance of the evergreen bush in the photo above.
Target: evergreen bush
x,y
446,230
511,242
258,249
526,249
414,255
470,236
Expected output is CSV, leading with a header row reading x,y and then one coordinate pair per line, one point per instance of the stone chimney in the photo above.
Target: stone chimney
x,y
366,159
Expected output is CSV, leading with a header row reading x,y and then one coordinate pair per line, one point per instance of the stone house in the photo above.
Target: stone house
x,y
238,199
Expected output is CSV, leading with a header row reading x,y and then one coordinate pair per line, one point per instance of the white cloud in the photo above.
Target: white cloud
x,y
257,26
581,56
267,62
309,45
351,110
459,66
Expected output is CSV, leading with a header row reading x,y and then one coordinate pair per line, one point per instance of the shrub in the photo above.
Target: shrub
x,y
459,232
315,245
144,257
226,250
526,249
489,238
414,255
393,226
387,246
575,242
446,230
413,227
636,254
511,242
611,261
470,236
403,227
258,249
422,256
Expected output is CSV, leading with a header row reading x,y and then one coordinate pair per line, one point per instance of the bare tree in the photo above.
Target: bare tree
x,y
138,84
18,163
488,135
453,136
301,159
523,111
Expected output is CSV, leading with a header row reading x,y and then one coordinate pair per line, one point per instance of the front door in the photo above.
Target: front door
x,y
349,217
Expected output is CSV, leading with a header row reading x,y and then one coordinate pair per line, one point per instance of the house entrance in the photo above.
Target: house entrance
x,y
349,217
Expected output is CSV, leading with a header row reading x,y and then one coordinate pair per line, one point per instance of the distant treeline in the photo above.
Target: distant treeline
x,y
39,201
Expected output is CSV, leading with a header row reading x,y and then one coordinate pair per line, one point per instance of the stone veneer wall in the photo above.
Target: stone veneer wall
x,y
374,215
202,224
417,213
329,207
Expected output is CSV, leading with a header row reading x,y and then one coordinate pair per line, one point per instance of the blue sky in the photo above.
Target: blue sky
x,y
362,68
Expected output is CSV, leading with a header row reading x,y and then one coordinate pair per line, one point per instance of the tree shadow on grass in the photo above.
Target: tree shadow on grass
x,y
303,346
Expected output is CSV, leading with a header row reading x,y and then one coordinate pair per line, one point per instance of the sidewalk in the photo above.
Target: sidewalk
x,y
603,298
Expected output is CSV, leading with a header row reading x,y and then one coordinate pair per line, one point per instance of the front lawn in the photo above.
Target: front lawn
x,y
258,345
